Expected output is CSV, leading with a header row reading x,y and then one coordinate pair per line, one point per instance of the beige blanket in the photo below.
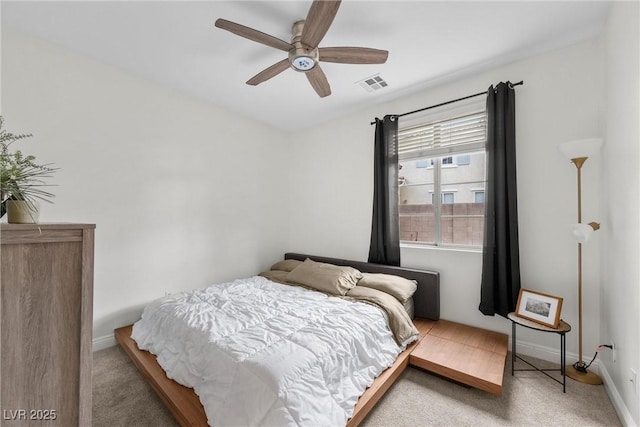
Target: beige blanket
x,y
400,323
404,331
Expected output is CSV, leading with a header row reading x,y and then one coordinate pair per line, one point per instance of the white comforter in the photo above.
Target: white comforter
x,y
262,353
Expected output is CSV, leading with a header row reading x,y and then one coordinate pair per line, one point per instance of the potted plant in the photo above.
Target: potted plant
x,y
21,180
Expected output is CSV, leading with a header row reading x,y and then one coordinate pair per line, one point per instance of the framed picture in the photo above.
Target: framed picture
x,y
538,307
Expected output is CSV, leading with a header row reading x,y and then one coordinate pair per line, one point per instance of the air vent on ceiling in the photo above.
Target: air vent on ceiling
x,y
373,83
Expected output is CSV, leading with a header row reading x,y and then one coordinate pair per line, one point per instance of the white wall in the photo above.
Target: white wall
x,y
560,100
158,172
620,292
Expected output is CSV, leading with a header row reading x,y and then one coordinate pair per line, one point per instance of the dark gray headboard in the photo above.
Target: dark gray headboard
x,y
427,297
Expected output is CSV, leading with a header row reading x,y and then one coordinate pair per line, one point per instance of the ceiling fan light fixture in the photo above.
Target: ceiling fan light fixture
x,y
301,58
303,63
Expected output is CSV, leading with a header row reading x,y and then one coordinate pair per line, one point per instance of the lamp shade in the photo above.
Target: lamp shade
x,y
582,232
580,148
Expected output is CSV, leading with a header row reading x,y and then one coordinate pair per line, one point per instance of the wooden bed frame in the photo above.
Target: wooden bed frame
x,y
184,404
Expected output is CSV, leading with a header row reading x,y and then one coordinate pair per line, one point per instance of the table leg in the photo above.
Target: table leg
x,y
513,345
563,361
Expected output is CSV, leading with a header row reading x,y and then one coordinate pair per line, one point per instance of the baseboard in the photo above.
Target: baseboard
x,y
101,343
617,401
550,354
553,355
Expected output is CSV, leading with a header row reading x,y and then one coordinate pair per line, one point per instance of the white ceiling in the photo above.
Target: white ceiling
x,y
175,43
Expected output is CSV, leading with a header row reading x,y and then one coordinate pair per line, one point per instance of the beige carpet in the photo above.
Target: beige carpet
x,y
121,397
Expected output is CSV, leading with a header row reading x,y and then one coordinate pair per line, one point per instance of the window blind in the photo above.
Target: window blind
x,y
459,134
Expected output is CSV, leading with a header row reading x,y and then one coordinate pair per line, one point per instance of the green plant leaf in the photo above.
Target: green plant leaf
x,y
21,178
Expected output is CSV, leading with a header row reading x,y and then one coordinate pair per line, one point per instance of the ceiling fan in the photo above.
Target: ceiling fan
x,y
304,53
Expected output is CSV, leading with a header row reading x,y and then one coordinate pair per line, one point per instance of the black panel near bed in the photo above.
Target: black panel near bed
x,y
427,297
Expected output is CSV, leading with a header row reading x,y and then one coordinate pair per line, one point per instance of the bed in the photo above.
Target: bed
x,y
185,404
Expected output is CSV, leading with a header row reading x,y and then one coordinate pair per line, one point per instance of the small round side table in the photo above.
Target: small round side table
x,y
562,329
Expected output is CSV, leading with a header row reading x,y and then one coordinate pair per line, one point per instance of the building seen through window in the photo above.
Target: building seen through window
x,y
441,197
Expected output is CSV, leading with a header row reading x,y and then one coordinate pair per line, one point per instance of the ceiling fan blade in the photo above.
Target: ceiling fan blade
x,y
255,35
268,73
353,55
319,19
319,81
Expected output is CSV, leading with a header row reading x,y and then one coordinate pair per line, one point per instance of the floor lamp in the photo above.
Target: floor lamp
x,y
578,152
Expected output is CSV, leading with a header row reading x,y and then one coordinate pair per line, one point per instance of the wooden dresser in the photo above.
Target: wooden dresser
x,y
46,284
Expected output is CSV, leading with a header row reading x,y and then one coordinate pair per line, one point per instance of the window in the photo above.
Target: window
x,y
463,159
447,198
443,204
429,162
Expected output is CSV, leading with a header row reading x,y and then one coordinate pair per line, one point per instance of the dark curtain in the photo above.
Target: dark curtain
x,y
385,234
501,259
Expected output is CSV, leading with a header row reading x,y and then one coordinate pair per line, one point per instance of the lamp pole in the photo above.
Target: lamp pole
x,y
579,371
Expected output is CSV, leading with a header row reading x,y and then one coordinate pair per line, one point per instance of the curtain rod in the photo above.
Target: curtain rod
x,y
521,82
